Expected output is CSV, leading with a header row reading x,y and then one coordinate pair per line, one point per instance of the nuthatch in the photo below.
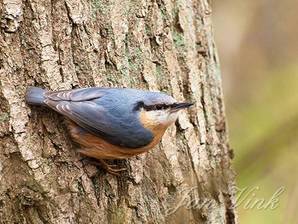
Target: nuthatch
x,y
111,123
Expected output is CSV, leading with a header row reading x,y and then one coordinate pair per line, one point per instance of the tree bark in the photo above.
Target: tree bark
x,y
158,45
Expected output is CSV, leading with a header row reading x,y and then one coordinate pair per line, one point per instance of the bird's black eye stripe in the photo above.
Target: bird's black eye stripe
x,y
141,104
173,105
156,107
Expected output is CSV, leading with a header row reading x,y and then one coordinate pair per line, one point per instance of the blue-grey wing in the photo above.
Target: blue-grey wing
x,y
99,119
77,95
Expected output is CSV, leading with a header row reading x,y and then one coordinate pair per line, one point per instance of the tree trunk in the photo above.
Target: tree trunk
x,y
158,45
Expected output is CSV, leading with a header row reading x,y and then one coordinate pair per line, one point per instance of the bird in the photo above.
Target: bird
x,y
111,123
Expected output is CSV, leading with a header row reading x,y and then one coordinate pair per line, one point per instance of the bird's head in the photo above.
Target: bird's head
x,y
159,110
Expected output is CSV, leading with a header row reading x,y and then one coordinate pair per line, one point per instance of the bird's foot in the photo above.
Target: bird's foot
x,y
110,168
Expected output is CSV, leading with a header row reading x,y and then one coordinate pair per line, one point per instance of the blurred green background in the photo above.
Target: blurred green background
x,y
257,42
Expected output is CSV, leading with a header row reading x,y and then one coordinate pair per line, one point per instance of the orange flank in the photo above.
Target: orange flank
x,y
98,148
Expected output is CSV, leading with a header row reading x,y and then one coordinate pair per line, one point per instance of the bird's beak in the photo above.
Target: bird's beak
x,y
179,106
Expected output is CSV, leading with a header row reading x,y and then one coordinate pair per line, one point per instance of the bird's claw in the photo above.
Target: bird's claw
x,y
110,168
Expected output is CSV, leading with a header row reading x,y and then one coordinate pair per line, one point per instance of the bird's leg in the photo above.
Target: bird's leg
x,y
110,168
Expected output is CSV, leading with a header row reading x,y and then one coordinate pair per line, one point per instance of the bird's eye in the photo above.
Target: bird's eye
x,y
161,106
165,106
158,107
155,107
173,105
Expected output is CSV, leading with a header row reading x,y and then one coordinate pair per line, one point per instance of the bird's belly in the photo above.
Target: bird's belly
x,y
98,148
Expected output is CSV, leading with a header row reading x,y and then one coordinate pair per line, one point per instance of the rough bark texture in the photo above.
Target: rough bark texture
x,y
158,45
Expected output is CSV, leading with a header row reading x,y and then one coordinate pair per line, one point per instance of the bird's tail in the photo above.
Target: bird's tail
x,y
35,96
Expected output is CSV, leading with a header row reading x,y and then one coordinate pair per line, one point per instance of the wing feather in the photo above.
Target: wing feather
x,y
76,95
85,109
